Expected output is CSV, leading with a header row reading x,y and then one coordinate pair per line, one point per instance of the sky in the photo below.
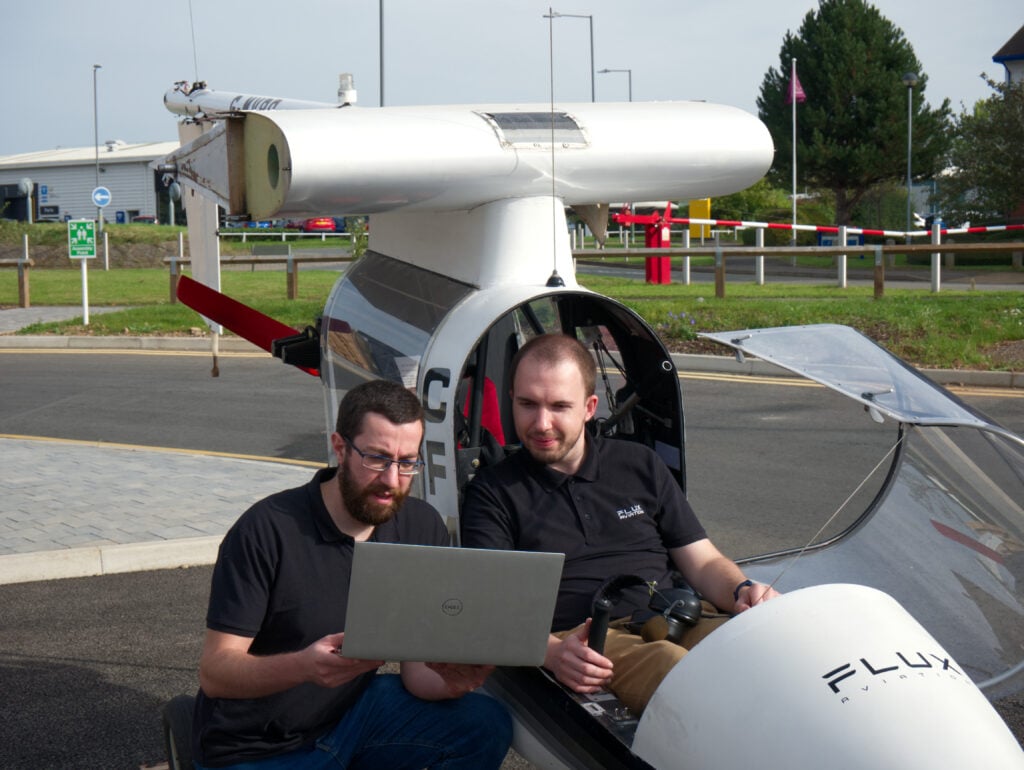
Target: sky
x,y
435,52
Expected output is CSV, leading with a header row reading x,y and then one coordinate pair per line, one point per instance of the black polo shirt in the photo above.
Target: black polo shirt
x,y
618,514
282,578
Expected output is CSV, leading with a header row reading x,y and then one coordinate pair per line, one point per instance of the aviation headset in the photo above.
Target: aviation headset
x,y
676,609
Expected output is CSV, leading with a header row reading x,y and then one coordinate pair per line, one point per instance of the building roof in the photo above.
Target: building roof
x,y
1012,49
110,152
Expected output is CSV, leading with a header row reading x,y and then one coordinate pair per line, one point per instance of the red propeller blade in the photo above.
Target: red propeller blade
x,y
261,330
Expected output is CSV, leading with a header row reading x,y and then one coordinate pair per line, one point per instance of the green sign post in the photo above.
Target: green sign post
x,y
82,246
82,239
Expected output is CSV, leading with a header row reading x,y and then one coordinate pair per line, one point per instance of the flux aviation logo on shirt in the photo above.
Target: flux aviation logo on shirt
x,y
631,512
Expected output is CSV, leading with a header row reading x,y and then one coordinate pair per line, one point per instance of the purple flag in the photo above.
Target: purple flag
x,y
794,90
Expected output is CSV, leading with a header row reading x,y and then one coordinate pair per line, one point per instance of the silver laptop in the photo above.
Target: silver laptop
x,y
450,605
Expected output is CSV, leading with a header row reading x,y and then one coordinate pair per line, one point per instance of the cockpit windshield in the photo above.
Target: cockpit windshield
x,y
941,525
378,322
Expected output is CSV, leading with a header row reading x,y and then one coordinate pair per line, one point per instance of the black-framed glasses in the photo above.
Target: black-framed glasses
x,y
380,463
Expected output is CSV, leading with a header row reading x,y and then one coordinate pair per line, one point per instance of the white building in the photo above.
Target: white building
x,y
63,181
1011,56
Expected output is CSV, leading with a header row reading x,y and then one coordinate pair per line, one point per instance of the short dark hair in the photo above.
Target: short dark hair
x,y
389,399
552,349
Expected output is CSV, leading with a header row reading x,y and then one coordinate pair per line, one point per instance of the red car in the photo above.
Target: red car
x,y
319,225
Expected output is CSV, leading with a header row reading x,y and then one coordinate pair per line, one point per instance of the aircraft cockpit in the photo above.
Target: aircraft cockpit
x,y
390,319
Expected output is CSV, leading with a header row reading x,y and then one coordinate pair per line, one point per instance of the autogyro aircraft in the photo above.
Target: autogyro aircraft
x,y
469,255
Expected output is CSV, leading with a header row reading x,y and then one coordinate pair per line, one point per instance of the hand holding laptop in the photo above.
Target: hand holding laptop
x,y
461,677
327,665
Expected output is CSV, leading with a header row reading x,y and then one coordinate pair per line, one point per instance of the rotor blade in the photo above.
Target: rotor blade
x,y
261,330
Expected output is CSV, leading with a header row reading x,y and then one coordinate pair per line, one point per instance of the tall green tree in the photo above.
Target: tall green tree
x,y
852,128
986,160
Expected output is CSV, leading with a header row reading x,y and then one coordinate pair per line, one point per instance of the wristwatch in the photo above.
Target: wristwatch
x,y
736,590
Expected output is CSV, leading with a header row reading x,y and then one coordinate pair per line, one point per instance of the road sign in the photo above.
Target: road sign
x,y
81,239
101,196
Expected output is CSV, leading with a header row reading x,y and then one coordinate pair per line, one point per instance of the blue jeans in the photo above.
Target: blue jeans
x,y
389,728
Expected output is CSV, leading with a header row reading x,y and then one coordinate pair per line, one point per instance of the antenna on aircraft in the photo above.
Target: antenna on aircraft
x,y
555,279
195,49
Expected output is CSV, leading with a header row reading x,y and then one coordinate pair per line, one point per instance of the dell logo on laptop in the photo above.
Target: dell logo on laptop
x,y
451,606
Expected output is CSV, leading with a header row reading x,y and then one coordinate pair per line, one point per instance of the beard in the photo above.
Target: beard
x,y
553,452
359,501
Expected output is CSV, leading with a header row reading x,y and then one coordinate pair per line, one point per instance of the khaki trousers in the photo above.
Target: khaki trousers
x,y
640,666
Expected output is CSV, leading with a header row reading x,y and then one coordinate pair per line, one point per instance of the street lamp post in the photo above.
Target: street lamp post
x,y
590,19
96,138
380,47
909,80
629,74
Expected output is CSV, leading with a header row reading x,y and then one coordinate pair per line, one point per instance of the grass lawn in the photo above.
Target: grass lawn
x,y
952,329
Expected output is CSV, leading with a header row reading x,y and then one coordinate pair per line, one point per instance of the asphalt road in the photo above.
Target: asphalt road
x,y
86,664
256,405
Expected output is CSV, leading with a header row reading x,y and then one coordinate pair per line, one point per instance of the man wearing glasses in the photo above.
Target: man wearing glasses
x,y
275,686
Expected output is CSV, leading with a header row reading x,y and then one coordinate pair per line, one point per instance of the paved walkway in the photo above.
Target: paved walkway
x,y
71,509
16,318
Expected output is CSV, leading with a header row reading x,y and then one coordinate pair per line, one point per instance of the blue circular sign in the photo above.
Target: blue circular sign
x,y
101,196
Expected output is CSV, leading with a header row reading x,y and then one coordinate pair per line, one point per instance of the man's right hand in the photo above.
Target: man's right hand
x,y
228,670
328,665
575,665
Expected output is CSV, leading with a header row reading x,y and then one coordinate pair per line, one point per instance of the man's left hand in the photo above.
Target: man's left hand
x,y
754,594
461,678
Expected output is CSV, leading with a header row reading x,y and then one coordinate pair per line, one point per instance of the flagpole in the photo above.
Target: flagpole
x,y
793,100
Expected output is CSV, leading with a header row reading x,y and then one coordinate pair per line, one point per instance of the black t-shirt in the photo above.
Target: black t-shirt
x,y
282,578
618,514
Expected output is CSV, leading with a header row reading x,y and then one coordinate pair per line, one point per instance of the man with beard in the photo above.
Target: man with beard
x,y
275,688
612,508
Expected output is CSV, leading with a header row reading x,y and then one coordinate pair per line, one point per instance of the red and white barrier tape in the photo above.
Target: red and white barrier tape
x,y
835,230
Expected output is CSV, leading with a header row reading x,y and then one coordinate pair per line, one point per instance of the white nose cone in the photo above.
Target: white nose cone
x,y
834,676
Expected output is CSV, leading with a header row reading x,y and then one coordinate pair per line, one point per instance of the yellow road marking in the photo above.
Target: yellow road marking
x,y
131,352
169,450
749,378
799,382
794,381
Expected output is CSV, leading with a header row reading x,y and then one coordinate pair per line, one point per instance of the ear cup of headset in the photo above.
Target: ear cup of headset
x,y
659,628
655,629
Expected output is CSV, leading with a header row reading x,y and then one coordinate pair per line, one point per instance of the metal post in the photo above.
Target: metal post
x,y
686,257
719,270
909,80
96,139
841,260
792,86
24,299
759,259
593,92
85,293
936,258
380,47
556,15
